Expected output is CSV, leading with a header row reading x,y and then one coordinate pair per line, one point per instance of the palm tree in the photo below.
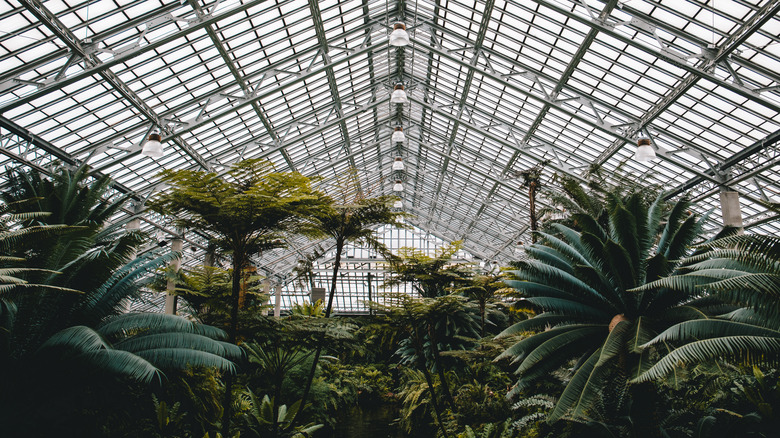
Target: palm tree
x,y
429,276
90,256
433,277
742,271
420,317
483,290
351,222
67,321
580,285
249,210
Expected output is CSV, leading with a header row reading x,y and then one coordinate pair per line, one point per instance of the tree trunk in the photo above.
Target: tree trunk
x,y
428,380
439,369
532,208
318,351
227,401
481,319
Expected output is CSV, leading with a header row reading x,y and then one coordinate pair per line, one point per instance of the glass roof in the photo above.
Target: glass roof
x,y
495,87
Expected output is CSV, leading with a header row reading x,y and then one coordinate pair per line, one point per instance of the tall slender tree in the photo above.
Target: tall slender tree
x,y
353,219
250,209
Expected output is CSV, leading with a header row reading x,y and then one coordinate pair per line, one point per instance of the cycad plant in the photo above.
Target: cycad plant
x,y
67,324
742,271
579,284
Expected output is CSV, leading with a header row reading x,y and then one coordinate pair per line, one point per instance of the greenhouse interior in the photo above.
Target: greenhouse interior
x,y
390,218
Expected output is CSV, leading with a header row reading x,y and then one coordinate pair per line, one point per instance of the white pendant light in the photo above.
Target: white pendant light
x,y
398,164
153,146
399,95
644,151
398,186
398,204
399,37
398,135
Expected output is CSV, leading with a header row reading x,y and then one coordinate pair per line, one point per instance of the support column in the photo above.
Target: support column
x,y
267,293
278,301
170,297
729,206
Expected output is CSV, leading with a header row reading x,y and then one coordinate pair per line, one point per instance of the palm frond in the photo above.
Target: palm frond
x,y
570,398
179,340
744,349
710,328
132,323
181,358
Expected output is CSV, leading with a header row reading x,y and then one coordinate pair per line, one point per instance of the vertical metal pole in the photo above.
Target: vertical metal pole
x,y
369,277
278,301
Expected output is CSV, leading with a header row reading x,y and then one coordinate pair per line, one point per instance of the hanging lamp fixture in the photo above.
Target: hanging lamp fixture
x,y
398,186
399,37
398,164
644,151
398,135
399,95
398,204
153,146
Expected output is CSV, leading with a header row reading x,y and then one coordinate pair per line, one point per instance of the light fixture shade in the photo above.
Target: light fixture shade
x,y
398,164
399,95
398,204
398,135
398,186
153,146
644,152
399,37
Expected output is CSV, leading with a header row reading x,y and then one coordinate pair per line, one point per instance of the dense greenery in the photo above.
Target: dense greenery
x,y
624,320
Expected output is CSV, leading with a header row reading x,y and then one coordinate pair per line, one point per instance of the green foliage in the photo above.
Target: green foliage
x,y
742,271
429,276
308,309
504,429
416,409
579,283
267,419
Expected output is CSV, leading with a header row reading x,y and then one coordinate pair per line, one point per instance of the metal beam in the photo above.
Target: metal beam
x,y
734,40
477,48
582,50
734,160
51,21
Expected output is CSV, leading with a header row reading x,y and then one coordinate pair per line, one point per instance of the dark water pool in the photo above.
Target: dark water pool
x,y
366,422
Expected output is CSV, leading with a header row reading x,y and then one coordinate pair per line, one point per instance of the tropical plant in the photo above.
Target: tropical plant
x,y
484,290
572,197
580,284
492,430
353,218
84,335
422,318
743,271
429,276
265,419
248,210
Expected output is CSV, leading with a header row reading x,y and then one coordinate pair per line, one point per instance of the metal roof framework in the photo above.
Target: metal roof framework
x,y
495,87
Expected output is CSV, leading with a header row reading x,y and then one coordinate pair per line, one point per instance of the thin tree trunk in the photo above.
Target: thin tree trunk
x,y
439,369
428,380
227,401
482,319
532,208
318,351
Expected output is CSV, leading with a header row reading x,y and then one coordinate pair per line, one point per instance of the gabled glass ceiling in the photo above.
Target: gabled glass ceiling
x,y
495,87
